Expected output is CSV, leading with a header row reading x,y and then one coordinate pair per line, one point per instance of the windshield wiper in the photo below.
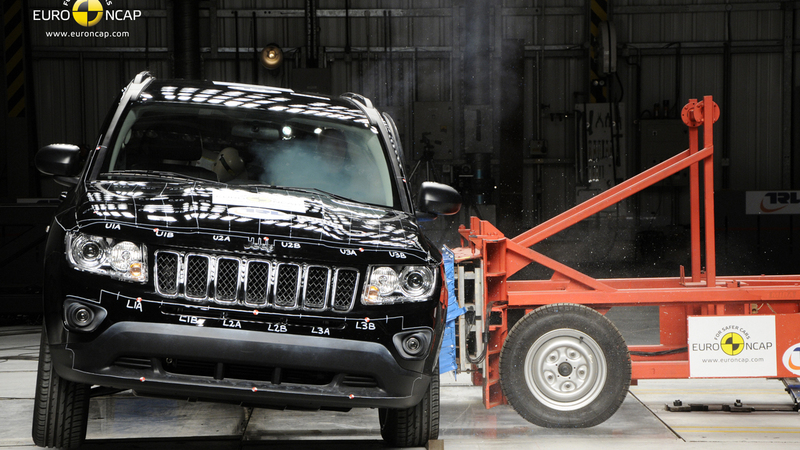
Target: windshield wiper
x,y
313,190
155,173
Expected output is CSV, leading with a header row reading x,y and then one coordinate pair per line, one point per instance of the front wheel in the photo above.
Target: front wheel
x,y
565,366
61,409
414,426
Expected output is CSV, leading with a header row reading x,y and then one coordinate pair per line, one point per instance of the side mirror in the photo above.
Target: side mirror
x,y
438,199
61,160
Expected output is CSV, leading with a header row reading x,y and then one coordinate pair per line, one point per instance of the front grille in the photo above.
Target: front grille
x,y
359,381
227,279
257,288
247,372
274,375
316,288
167,273
197,276
346,281
131,362
255,283
286,285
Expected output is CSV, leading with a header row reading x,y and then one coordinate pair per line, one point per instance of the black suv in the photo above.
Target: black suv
x,y
246,244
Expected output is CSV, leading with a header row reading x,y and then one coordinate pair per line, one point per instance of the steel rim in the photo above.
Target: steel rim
x,y
565,369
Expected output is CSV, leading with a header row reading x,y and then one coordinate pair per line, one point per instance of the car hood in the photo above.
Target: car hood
x,y
249,219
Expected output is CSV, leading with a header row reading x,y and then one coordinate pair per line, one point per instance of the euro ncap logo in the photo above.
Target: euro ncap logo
x,y
732,344
87,13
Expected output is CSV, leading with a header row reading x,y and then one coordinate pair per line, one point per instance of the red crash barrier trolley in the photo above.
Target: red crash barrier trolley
x,y
564,364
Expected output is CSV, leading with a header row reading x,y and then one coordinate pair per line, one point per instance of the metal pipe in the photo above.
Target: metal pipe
x,y
477,87
386,51
391,60
311,34
708,185
255,50
347,26
787,107
477,52
236,43
727,95
678,72
186,33
694,205
146,43
82,96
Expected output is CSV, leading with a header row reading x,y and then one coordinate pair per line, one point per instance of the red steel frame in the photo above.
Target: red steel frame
x,y
701,293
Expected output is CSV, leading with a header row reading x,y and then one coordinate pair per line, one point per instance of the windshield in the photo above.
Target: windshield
x,y
252,147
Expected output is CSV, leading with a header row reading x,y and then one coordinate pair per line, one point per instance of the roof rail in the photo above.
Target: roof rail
x,y
359,98
141,76
251,87
139,83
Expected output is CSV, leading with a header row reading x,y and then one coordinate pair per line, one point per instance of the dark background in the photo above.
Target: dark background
x,y
504,100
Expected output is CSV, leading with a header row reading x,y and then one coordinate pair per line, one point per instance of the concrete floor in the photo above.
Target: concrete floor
x,y
127,422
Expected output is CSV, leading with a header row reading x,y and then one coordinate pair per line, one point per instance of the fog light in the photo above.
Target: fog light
x,y
82,317
412,345
79,316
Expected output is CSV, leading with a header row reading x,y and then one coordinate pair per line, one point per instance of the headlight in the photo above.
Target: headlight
x,y
123,260
386,285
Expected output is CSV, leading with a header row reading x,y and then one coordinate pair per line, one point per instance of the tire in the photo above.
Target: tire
x,y
565,366
61,409
414,426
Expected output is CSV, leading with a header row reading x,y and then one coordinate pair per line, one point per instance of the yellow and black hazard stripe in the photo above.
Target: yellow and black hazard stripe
x,y
598,12
14,51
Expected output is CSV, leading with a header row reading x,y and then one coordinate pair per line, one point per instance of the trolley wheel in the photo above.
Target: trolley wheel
x,y
61,408
565,366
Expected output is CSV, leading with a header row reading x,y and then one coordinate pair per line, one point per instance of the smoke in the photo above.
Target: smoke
x,y
294,163
301,163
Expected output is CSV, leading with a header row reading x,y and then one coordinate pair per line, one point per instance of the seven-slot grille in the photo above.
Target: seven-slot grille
x,y
255,283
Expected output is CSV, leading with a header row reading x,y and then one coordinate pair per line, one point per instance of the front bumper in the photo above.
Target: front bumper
x,y
241,366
